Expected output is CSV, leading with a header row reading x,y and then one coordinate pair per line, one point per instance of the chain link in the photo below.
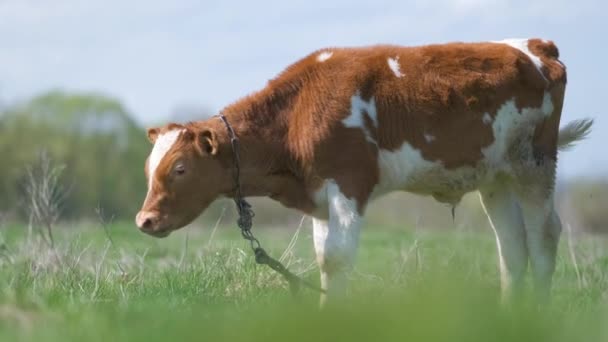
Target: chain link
x,y
245,222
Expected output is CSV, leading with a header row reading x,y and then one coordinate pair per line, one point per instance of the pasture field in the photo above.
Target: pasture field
x,y
203,285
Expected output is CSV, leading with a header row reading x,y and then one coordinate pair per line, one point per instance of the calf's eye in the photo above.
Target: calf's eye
x,y
180,169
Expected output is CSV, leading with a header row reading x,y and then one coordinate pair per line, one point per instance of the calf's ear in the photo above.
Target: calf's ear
x,y
153,134
207,142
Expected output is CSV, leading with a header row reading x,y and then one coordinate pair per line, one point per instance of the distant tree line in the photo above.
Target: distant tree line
x,y
100,146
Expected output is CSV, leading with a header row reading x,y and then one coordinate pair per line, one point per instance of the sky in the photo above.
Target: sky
x,y
158,56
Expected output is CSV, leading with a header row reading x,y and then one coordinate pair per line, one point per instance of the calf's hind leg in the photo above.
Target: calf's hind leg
x,y
543,229
501,206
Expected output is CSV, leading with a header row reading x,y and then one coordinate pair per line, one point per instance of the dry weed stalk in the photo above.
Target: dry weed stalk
x,y
45,194
105,223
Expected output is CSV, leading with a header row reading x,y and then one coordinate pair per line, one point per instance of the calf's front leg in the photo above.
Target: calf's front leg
x,y
336,240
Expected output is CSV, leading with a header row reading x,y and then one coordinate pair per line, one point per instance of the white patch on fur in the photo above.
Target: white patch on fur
x,y
358,106
400,168
163,144
509,124
429,138
342,210
522,45
323,56
406,169
547,107
487,119
393,63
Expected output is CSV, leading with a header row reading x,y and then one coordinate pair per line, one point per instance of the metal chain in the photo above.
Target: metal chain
x,y
245,222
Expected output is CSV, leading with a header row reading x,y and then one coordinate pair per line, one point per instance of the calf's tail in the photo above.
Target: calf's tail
x,y
573,132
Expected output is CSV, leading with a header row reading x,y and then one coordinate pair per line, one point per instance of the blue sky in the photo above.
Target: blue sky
x,y
157,56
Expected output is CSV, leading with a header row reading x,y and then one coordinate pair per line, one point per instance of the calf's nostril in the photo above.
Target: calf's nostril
x,y
147,224
145,220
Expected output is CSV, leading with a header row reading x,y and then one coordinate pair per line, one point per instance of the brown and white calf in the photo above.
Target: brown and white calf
x,y
345,125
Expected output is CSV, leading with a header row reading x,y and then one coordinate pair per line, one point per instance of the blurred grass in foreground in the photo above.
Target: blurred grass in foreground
x,y
407,287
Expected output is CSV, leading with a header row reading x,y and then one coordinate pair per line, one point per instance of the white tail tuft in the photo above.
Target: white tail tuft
x,y
571,133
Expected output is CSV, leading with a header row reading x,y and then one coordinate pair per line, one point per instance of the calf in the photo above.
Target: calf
x,y
345,125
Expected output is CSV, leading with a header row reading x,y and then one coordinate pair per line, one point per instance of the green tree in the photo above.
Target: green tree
x,y
102,148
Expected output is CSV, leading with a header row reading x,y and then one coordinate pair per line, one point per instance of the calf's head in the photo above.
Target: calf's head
x,y
184,176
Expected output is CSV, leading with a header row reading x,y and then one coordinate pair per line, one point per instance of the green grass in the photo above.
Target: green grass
x,y
407,286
